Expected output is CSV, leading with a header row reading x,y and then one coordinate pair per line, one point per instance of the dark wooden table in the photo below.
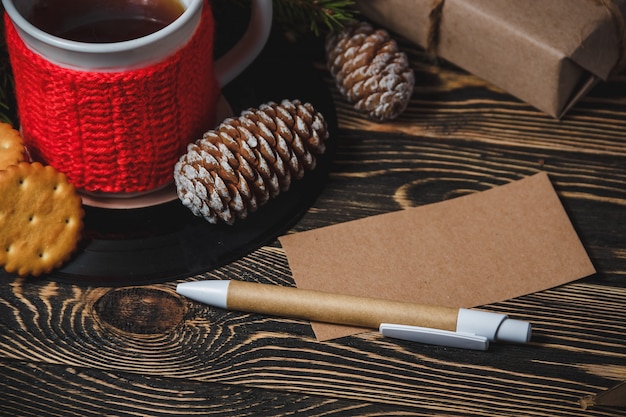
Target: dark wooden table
x,y
76,350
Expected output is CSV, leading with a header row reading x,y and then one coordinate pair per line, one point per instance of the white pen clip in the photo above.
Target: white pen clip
x,y
434,336
474,330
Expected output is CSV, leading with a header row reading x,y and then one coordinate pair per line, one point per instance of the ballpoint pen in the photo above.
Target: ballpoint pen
x,y
465,328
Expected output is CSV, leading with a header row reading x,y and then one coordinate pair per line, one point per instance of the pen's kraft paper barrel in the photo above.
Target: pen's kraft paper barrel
x,y
335,308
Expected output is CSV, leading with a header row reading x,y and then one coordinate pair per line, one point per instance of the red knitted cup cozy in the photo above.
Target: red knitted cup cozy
x,y
116,132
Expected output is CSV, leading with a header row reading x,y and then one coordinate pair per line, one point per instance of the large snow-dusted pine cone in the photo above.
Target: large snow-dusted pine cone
x,y
245,161
370,71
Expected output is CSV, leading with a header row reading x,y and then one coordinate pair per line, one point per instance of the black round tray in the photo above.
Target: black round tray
x,y
167,242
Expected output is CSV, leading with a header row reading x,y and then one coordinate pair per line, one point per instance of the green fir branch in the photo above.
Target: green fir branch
x,y
316,16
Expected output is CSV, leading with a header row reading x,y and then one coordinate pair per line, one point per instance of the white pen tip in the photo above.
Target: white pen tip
x,y
212,292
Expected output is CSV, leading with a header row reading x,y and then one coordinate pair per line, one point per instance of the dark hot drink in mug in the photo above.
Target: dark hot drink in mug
x,y
102,21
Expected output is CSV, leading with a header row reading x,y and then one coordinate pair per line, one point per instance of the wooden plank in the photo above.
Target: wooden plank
x,y
70,391
76,350
46,323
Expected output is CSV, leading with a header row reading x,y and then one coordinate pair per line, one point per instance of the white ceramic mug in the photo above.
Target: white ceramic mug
x,y
66,63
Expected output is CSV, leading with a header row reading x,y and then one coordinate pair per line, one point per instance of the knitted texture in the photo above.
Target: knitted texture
x,y
116,132
246,161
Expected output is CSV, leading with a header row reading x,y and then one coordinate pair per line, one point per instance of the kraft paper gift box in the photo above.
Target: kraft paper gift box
x,y
548,53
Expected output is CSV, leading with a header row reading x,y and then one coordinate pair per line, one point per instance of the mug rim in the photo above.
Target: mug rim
x,y
105,47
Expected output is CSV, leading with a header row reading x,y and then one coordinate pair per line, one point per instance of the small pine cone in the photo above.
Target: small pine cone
x,y
370,71
244,162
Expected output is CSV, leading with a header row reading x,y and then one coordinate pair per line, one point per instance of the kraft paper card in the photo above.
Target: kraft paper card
x,y
470,251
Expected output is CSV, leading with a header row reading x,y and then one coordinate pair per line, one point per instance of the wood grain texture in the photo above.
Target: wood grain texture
x,y
79,350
